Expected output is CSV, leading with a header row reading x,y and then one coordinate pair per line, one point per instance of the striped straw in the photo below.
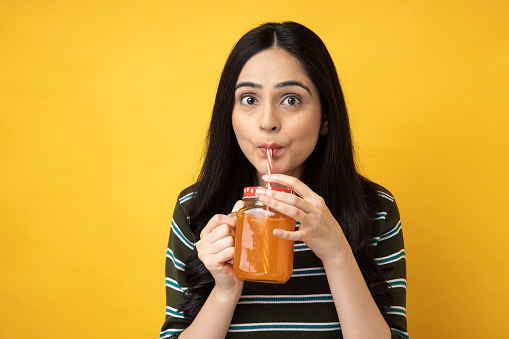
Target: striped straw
x,y
268,167
268,171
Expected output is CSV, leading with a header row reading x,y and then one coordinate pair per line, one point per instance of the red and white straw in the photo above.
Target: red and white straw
x,y
268,167
268,171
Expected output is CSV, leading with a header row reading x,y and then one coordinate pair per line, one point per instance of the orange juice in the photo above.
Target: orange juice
x,y
259,254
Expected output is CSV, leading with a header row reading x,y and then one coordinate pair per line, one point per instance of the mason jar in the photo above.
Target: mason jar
x,y
260,255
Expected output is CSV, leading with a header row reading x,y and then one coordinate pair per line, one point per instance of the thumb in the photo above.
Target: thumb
x,y
238,205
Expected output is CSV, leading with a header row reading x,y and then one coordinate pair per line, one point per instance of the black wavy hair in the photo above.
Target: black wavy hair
x,y
330,169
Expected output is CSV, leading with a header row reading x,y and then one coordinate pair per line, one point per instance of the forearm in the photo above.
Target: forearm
x,y
358,313
215,317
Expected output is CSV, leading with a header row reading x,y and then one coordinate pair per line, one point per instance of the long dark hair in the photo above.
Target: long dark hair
x,y
330,170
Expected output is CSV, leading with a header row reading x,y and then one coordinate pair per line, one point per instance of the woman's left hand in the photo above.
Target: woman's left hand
x,y
318,228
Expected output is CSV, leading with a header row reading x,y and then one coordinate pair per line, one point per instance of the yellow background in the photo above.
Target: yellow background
x,y
104,107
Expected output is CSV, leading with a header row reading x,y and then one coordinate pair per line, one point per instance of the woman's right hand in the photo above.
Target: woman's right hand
x,y
216,247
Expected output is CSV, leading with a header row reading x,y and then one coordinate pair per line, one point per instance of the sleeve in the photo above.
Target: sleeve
x,y
179,247
389,254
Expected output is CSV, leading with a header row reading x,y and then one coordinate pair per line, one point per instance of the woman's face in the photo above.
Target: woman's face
x,y
277,106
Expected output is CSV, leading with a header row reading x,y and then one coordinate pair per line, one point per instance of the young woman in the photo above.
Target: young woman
x,y
279,89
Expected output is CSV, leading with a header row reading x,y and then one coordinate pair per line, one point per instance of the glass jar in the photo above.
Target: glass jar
x,y
260,255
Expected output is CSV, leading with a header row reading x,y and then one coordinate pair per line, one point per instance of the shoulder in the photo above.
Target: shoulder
x,y
180,221
385,200
386,218
185,196
383,193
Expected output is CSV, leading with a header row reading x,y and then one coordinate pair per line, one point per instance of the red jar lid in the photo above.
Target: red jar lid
x,y
250,192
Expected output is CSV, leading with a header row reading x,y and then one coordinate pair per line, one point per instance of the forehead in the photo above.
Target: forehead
x,y
272,66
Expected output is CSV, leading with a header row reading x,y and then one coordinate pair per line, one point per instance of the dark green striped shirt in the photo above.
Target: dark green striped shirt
x,y
303,306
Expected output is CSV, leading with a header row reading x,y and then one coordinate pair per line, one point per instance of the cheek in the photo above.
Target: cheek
x,y
243,135
307,133
239,128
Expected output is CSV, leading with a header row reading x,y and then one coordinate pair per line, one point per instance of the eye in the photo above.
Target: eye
x,y
291,101
248,100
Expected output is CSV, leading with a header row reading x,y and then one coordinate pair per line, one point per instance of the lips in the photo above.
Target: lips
x,y
276,148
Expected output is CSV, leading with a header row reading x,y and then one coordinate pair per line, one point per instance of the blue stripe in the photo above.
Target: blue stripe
x,y
397,283
392,232
386,196
287,299
173,284
397,310
380,215
169,333
300,247
284,327
390,258
401,333
308,271
173,312
180,235
178,264
187,197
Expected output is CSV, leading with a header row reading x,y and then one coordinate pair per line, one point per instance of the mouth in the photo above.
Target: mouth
x,y
276,148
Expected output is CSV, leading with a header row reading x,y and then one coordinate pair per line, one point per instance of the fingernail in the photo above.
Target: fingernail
x,y
260,191
265,176
264,198
277,232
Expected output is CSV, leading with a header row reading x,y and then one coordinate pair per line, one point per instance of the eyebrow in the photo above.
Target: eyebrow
x,y
278,85
292,83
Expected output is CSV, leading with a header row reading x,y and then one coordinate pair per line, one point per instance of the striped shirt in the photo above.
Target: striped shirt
x,y
303,306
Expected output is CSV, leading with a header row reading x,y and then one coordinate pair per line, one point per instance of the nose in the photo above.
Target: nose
x,y
269,120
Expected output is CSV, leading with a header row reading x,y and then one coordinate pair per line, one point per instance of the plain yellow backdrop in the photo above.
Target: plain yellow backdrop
x,y
104,107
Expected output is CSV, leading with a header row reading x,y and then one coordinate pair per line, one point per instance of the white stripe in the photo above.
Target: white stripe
x,y
380,215
187,197
396,230
264,327
395,255
177,263
169,332
172,286
386,196
387,235
396,281
397,310
180,235
404,334
173,312
294,299
300,272
300,247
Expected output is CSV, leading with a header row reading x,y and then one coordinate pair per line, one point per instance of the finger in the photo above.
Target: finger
x,y
220,259
238,205
289,199
288,235
221,244
289,210
207,249
295,184
219,232
214,222
226,255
